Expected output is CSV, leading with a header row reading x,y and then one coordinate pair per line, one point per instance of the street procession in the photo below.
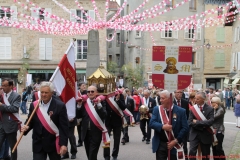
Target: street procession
x,y
120,79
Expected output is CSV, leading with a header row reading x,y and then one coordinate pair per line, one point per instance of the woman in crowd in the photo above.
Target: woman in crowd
x,y
237,111
219,128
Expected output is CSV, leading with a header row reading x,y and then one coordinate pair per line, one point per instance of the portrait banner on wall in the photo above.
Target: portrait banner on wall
x,y
171,67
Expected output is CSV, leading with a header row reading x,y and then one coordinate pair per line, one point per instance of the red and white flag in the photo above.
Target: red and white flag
x,y
64,81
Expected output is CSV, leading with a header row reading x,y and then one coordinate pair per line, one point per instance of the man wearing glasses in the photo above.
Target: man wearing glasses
x,y
90,111
9,121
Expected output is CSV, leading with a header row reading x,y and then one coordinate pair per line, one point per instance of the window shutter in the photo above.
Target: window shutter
x,y
217,59
163,33
42,49
47,18
199,29
14,13
2,47
5,48
186,33
34,14
8,47
238,61
75,48
175,34
235,35
220,34
73,12
198,58
48,48
91,14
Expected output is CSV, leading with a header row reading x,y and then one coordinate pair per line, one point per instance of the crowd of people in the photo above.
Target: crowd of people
x,y
177,119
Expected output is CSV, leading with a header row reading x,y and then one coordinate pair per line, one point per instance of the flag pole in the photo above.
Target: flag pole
x,y
29,119
170,123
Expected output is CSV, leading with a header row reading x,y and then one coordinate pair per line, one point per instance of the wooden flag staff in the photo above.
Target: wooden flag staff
x,y
29,119
170,123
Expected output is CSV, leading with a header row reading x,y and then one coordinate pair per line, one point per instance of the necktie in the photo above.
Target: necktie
x,y
178,103
201,108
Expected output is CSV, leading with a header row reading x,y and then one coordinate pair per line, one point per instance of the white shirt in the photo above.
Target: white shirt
x,y
46,106
8,94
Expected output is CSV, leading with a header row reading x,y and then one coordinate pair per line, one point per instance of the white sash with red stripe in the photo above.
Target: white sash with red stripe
x,y
14,116
128,113
48,124
116,108
164,118
98,122
199,115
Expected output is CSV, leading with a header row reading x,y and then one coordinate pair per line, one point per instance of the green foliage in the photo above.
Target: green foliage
x,y
112,67
134,76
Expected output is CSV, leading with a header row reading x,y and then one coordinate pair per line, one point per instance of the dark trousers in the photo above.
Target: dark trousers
x,y
92,143
43,155
162,152
147,134
4,152
204,147
72,140
185,149
12,139
136,115
79,133
218,149
125,134
116,143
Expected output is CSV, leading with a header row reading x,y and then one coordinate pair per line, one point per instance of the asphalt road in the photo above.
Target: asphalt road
x,y
135,149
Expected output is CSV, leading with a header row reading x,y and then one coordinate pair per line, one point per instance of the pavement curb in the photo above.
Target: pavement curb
x,y
235,151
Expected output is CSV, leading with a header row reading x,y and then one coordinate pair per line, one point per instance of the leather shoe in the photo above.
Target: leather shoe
x,y
114,158
79,145
73,156
65,156
143,139
147,142
123,141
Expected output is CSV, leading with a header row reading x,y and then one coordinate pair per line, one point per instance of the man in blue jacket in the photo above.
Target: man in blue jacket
x,y
159,122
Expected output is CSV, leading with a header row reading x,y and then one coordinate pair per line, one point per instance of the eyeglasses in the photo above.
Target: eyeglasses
x,y
5,85
90,91
178,92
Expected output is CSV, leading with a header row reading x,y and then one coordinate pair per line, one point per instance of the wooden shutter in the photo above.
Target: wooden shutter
x,y
5,48
34,14
175,34
220,34
91,14
219,59
235,35
238,60
73,12
198,59
8,45
199,29
48,54
47,18
14,13
2,47
42,48
186,33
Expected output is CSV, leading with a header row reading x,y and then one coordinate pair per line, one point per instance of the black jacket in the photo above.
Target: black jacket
x,y
184,104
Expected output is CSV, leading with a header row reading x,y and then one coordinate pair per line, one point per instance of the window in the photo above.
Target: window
x,y
82,49
220,11
5,48
169,3
80,14
6,12
127,36
45,48
220,34
193,5
196,59
40,14
138,34
118,59
118,40
169,33
110,41
219,59
236,34
127,9
193,33
109,58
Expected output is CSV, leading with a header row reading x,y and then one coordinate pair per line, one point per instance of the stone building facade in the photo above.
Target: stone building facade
x,y
45,51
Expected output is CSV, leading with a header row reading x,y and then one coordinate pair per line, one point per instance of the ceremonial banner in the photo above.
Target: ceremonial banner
x,y
64,80
171,67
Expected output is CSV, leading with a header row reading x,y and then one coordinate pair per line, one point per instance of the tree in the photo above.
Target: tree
x,y
112,67
134,76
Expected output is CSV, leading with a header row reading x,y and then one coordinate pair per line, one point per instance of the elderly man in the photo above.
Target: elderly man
x,y
201,117
150,103
9,121
49,124
178,129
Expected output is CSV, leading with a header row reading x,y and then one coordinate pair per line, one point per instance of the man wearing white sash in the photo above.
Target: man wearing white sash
x,y
178,129
49,124
201,118
93,113
9,115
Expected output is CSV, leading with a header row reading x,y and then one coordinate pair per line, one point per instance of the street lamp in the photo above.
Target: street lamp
x,y
208,46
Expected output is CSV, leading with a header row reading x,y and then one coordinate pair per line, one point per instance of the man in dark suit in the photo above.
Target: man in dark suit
x,y
9,121
130,106
150,103
179,101
199,133
44,142
91,134
114,123
179,126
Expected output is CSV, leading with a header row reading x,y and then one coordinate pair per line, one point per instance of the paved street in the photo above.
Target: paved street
x,y
136,149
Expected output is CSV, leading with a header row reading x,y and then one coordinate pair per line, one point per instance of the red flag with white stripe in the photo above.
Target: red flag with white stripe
x,y
64,81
